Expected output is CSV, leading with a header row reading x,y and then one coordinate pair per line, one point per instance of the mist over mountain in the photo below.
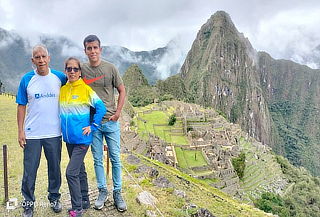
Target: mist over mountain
x,y
15,52
311,58
156,64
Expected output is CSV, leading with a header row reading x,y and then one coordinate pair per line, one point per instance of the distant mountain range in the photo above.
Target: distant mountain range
x,y
15,53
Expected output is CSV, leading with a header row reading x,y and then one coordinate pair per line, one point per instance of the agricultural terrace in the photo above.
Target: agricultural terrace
x,y
153,120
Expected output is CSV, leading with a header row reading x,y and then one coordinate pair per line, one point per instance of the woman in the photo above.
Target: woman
x,y
76,98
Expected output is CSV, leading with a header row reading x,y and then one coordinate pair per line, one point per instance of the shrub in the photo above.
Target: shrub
x,y
272,203
239,164
172,120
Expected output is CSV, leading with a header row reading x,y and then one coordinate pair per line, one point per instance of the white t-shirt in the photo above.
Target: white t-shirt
x,y
41,95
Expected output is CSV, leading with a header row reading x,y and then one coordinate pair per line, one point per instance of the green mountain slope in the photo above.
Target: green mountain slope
x,y
292,92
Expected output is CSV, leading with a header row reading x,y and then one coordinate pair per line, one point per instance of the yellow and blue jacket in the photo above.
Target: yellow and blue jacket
x,y
76,98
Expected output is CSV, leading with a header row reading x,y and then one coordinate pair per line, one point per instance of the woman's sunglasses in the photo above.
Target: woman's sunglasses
x,y
69,69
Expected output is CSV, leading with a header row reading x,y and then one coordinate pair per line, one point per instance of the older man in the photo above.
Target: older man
x,y
39,126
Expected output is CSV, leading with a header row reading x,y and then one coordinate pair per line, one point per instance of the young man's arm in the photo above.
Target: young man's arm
x,y
122,95
21,113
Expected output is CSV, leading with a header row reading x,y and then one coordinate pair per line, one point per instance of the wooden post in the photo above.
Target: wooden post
x,y
5,170
145,128
195,154
105,148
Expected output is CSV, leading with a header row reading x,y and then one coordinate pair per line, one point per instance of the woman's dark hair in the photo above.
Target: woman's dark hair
x,y
72,58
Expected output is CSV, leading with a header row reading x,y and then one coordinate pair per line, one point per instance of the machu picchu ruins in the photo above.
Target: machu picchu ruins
x,y
209,140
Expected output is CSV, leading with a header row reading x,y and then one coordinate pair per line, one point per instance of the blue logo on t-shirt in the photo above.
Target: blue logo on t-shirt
x,y
47,95
75,96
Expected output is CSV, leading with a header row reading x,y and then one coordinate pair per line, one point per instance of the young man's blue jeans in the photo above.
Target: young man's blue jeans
x,y
111,132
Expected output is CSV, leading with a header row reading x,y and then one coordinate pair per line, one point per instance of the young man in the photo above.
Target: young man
x,y
103,77
39,126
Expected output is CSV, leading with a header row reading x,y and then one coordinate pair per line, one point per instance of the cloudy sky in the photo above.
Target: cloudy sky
x,y
283,28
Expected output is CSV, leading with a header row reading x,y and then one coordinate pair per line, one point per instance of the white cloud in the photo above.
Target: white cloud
x,y
278,27
173,59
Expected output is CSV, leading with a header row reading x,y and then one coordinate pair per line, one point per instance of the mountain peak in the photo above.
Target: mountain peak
x,y
221,16
134,78
218,25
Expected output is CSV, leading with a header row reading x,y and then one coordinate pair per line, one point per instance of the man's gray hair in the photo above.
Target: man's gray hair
x,y
40,46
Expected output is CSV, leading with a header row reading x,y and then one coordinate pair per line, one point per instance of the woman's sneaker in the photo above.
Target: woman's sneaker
x,y
75,213
85,204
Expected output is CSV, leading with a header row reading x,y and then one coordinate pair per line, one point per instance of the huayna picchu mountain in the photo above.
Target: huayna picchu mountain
x,y
275,101
220,71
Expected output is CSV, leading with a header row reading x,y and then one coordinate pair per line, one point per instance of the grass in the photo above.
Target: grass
x,y
158,118
189,158
194,158
198,192
156,123
258,172
182,162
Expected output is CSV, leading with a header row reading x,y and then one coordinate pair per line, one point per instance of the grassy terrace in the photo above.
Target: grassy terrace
x,y
147,123
156,123
188,158
258,171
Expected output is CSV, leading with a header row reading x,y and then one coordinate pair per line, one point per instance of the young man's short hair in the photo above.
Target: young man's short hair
x,y
90,38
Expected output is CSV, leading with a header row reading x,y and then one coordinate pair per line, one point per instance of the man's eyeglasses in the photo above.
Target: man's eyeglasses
x,y
69,69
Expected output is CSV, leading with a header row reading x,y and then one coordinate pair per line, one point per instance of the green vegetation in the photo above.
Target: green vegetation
x,y
172,120
139,92
156,123
142,96
301,198
181,159
235,113
172,87
222,114
239,164
198,192
189,158
292,139
272,203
